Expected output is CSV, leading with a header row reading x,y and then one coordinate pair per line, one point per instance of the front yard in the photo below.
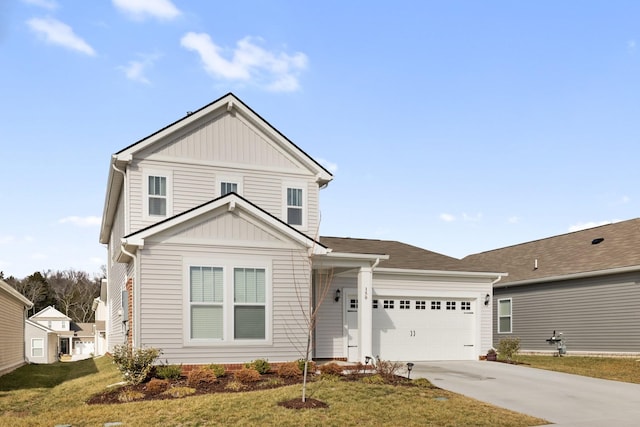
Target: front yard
x,y
48,395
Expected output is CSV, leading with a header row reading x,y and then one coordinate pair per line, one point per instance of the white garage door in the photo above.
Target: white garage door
x,y
423,328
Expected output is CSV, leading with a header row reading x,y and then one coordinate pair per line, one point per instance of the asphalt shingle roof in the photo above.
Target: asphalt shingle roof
x,y
570,253
401,255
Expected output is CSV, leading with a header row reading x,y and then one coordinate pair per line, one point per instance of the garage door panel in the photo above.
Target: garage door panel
x,y
424,329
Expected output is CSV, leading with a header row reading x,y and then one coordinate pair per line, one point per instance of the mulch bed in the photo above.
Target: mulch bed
x,y
143,392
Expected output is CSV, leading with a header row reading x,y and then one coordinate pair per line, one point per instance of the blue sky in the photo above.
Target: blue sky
x,y
456,126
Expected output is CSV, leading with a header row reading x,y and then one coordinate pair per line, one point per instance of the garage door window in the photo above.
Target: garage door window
x,y
451,305
375,303
504,316
388,303
421,305
465,306
435,305
405,304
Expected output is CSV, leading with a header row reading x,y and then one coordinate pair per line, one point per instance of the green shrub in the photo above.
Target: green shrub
x,y
201,375
135,364
156,386
169,372
331,368
219,370
260,365
247,375
508,348
311,366
289,370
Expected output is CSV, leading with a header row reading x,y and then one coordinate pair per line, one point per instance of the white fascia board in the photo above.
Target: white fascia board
x,y
572,276
346,259
115,182
447,273
136,241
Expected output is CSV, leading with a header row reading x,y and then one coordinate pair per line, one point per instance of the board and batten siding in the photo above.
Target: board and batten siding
x,y
595,315
12,317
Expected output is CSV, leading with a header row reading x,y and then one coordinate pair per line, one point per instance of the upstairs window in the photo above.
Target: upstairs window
x,y
228,187
294,206
157,195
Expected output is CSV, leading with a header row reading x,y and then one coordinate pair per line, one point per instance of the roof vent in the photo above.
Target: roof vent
x,y
598,240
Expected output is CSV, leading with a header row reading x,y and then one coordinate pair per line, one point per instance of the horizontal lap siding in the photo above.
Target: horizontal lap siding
x,y
594,315
163,320
12,321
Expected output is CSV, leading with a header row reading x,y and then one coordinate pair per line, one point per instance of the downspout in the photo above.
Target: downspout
x,y
135,278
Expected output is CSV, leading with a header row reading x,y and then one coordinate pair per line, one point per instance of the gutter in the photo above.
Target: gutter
x,y
583,275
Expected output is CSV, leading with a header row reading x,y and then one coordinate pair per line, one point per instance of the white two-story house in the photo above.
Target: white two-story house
x,y
214,255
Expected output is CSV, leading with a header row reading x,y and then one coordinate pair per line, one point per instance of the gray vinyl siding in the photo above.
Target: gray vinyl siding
x,y
12,320
50,342
594,315
162,291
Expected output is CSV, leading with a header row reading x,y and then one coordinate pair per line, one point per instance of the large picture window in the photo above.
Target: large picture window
x,y
504,316
249,303
206,290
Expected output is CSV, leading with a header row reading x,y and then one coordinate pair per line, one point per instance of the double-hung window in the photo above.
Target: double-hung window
x,y
295,206
504,316
206,298
249,289
228,187
37,347
157,194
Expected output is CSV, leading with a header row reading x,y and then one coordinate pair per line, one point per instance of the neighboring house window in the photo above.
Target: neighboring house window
x,y
49,324
206,289
295,206
37,347
158,190
249,286
63,324
504,316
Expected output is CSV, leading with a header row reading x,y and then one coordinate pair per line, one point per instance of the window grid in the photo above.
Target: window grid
x,y
375,303
157,191
294,206
435,305
451,305
465,305
228,187
353,303
421,305
388,304
405,304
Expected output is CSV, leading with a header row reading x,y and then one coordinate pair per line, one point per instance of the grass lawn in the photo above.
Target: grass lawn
x,y
608,368
48,395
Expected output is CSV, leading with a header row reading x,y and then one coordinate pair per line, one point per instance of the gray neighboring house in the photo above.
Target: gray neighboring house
x,y
585,284
41,343
13,312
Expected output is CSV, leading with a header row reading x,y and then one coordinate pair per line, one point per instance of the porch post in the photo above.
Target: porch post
x,y
365,312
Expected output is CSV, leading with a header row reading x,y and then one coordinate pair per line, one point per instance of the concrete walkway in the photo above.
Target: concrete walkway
x,y
563,399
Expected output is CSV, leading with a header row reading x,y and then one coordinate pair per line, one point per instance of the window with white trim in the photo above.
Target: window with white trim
x,y
37,347
249,288
405,304
229,184
226,301
421,305
451,305
435,305
295,206
504,316
157,194
388,303
206,289
465,305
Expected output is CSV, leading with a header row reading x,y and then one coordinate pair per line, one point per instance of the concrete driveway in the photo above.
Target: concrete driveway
x,y
563,399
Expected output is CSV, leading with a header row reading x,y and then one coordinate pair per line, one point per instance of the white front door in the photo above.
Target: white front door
x,y
351,306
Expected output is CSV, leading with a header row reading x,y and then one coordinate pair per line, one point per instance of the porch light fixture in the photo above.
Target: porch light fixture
x,y
409,368
367,359
337,297
487,298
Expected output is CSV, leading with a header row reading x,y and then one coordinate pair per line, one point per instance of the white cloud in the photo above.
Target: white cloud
x,y
59,33
513,220
135,70
625,200
6,239
473,218
631,44
277,72
447,217
45,4
584,225
140,9
80,221
330,166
